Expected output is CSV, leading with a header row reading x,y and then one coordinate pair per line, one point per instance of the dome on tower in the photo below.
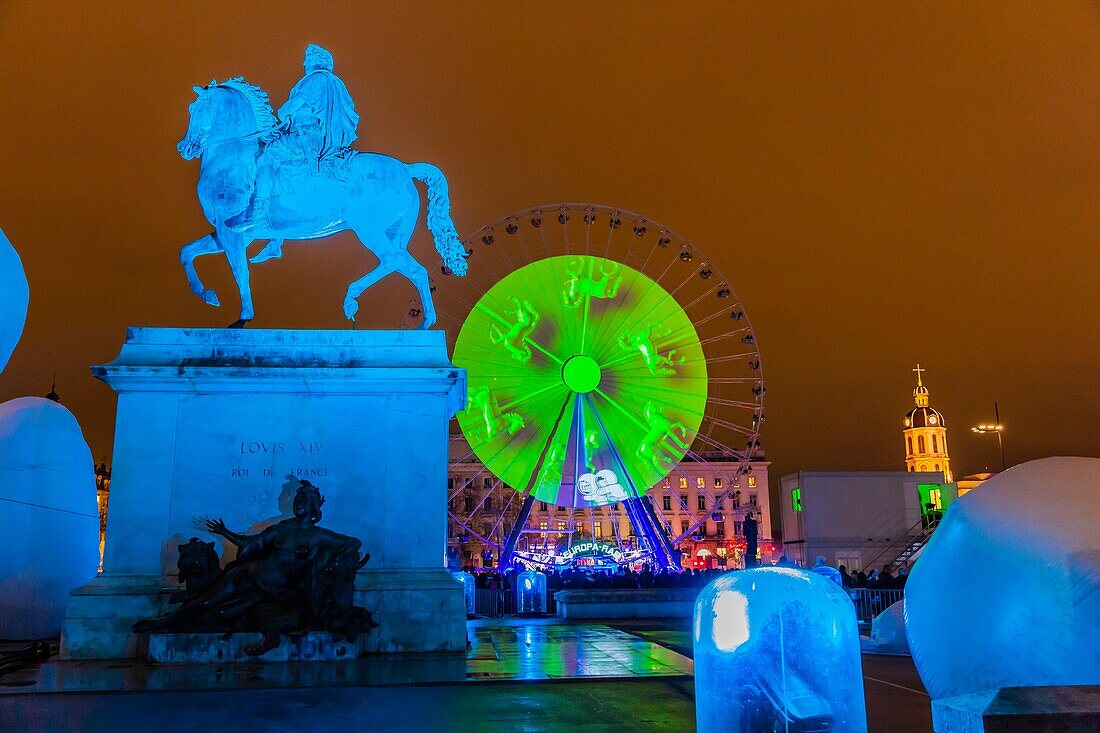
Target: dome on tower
x,y
923,417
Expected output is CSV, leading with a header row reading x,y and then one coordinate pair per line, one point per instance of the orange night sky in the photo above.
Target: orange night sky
x,y
882,183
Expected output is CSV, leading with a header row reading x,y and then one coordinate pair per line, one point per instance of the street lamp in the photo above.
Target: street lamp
x,y
995,427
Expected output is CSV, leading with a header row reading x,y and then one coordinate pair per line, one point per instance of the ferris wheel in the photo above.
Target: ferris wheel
x,y
604,352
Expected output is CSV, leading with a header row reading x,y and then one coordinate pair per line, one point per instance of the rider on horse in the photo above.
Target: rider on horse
x,y
318,128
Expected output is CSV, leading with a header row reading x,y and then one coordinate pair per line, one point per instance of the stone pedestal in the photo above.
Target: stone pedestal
x,y
1065,709
223,423
315,646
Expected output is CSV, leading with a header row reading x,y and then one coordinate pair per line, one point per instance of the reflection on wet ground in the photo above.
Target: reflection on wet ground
x,y
516,649
531,675
539,652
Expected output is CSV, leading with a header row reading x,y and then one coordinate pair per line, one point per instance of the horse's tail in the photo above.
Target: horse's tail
x,y
442,227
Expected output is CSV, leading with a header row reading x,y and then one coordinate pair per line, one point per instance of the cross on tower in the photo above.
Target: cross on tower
x,y
918,370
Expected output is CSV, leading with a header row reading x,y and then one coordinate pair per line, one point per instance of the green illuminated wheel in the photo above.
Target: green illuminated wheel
x,y
604,354
587,383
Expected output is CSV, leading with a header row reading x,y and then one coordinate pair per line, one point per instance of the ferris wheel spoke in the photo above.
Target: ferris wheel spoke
x,y
666,302
721,447
627,413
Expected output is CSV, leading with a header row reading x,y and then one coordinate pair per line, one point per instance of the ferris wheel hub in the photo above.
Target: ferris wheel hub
x,y
581,373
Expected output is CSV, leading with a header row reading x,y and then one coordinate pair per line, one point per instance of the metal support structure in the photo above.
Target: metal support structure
x,y
644,519
509,549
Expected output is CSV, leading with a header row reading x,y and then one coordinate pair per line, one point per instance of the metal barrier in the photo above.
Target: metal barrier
x,y
497,602
870,602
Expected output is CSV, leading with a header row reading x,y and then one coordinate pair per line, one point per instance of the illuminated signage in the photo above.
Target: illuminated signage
x,y
602,487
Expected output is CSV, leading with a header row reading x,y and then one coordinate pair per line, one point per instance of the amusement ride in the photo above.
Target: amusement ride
x,y
602,350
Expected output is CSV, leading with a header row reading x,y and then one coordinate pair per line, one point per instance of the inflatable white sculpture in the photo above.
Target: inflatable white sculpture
x,y
14,296
1007,592
887,632
49,521
48,514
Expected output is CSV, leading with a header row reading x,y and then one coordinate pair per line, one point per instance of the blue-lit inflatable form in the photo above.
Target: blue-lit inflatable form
x,y
531,592
48,516
14,298
468,588
777,649
1007,591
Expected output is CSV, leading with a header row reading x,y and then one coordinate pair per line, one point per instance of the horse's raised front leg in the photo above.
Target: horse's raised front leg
x,y
351,305
188,252
235,251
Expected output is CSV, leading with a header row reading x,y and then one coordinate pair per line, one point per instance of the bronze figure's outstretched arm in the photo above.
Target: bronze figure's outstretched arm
x,y
217,526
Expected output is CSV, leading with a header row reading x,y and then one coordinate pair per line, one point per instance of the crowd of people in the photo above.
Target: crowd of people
x,y
884,580
579,578
624,577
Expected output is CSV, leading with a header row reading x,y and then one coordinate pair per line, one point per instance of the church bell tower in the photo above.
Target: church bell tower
x,y
925,435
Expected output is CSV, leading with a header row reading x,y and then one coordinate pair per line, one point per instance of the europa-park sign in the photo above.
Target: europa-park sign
x,y
592,548
584,548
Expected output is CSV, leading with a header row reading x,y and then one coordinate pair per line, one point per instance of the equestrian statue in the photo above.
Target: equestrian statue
x,y
295,176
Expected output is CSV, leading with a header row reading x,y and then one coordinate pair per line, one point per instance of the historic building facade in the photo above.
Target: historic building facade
x,y
925,435
703,502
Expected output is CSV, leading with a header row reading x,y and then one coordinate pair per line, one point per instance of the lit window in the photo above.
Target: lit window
x,y
561,526
700,483
683,482
752,481
597,529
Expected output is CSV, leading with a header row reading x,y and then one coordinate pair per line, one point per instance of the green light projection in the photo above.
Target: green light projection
x,y
587,382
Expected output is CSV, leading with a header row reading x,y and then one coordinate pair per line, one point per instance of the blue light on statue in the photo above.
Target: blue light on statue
x,y
531,592
295,176
777,649
468,587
